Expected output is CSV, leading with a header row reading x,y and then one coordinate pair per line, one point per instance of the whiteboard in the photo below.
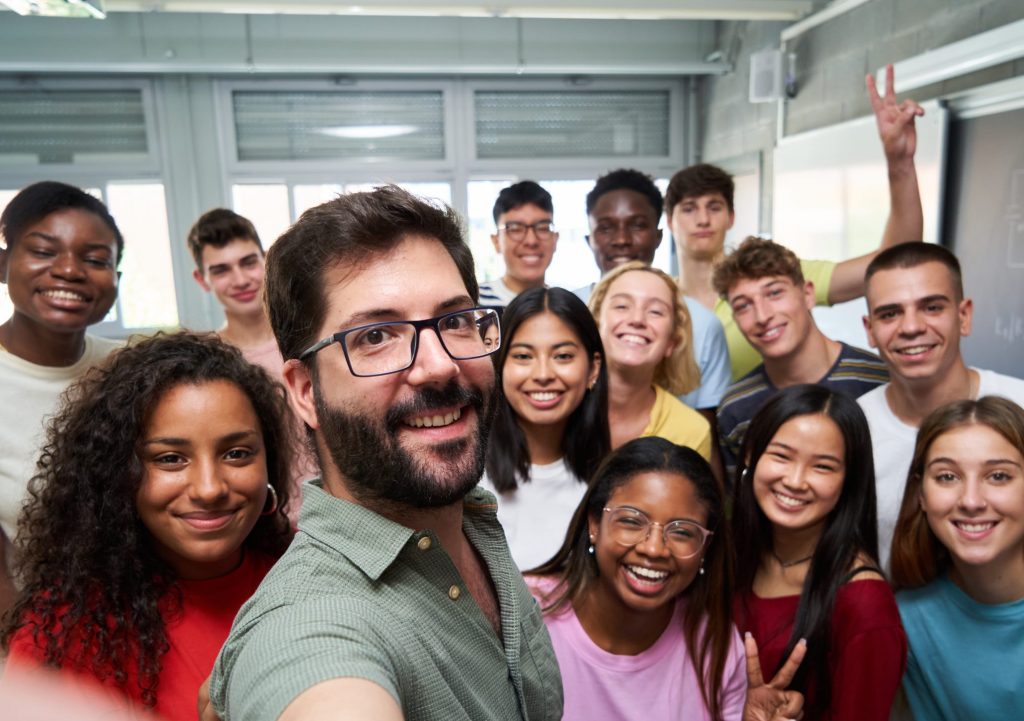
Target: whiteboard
x,y
830,198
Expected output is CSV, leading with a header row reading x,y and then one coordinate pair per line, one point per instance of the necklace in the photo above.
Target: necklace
x,y
790,564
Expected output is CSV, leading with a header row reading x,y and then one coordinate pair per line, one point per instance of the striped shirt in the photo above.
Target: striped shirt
x,y
359,596
854,373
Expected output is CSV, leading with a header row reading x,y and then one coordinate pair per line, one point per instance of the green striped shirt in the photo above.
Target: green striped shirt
x,y
359,596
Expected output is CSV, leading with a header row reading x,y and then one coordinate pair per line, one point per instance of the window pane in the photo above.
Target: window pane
x,y
69,126
481,195
310,196
381,125
6,309
584,124
146,290
266,206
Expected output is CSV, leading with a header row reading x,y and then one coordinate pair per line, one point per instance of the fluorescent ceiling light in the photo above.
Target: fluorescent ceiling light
x,y
58,8
551,9
977,52
369,132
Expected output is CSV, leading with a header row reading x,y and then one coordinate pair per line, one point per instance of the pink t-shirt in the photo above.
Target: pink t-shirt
x,y
659,684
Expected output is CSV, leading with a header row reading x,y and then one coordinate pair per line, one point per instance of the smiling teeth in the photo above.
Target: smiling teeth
x,y
914,350
435,421
770,334
63,295
788,500
630,338
974,527
543,395
648,573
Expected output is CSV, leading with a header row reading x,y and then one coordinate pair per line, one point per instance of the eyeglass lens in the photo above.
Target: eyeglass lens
x,y
388,347
543,229
630,527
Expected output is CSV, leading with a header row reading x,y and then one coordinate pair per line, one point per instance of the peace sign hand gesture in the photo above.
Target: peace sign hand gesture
x,y
771,701
895,120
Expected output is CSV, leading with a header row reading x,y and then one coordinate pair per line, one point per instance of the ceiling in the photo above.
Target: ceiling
x,y
787,10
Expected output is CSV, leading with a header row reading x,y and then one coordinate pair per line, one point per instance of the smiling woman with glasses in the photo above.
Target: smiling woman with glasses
x,y
638,599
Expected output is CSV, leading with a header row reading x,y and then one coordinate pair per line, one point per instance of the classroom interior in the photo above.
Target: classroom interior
x,y
167,109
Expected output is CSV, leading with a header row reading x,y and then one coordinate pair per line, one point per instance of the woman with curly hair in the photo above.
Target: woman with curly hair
x,y
647,336
157,510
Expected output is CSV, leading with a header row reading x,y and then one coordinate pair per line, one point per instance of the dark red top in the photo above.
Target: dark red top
x,y
867,653
195,636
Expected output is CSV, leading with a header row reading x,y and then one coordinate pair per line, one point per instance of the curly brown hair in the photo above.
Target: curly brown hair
x,y
88,565
753,259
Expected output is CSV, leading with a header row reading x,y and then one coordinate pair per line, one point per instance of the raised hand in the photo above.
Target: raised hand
x,y
895,120
771,701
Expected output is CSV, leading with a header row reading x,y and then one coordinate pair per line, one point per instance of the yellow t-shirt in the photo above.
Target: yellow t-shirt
x,y
676,422
742,355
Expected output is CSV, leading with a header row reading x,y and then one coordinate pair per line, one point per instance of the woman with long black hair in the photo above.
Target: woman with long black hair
x,y
806,535
551,426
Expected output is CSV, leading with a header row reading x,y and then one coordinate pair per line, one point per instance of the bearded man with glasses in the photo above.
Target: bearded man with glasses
x,y
398,598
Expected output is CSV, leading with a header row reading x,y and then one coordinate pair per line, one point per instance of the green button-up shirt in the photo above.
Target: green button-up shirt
x,y
359,596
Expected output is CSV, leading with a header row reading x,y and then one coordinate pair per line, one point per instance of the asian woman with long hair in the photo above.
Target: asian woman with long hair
x,y
958,562
550,429
157,509
806,538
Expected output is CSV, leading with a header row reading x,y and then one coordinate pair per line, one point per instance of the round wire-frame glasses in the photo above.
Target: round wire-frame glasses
x,y
630,526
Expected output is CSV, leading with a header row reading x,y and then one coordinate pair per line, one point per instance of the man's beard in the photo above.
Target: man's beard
x,y
378,470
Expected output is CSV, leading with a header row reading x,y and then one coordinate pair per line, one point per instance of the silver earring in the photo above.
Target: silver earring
x,y
590,548
273,502
702,566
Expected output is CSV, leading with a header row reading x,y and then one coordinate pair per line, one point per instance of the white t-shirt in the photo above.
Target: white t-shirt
x,y
536,515
892,443
28,397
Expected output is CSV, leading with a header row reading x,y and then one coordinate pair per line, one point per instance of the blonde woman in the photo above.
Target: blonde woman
x,y
647,336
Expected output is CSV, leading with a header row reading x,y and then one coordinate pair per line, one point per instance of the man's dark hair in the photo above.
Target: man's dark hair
x,y
349,231
218,227
525,192
39,200
913,254
626,179
698,180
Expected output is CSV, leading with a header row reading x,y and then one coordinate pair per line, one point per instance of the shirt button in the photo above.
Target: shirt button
x,y
424,543
454,592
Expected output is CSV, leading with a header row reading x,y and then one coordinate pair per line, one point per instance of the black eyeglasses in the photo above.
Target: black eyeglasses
x,y
377,349
544,230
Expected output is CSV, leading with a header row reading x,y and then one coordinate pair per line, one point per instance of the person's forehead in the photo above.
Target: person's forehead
x,y
703,198
527,211
73,224
908,284
642,284
233,250
747,284
622,203
414,279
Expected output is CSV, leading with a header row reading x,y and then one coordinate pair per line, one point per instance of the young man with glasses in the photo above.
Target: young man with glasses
x,y
398,599
525,238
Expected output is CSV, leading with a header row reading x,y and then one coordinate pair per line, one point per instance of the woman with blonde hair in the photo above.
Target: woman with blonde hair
x,y
958,562
647,336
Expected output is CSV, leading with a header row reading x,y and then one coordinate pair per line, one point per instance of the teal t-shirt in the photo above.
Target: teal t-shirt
x,y
966,660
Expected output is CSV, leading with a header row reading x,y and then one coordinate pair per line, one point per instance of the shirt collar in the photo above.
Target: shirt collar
x,y
369,540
